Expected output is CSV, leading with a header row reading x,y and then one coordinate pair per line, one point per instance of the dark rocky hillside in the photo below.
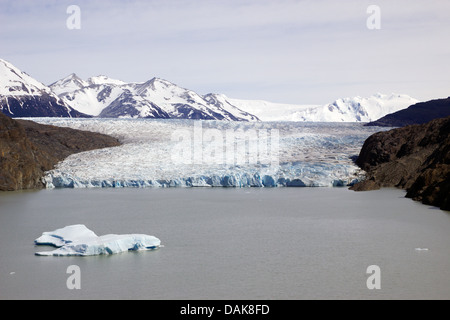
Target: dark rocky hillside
x,y
28,149
415,158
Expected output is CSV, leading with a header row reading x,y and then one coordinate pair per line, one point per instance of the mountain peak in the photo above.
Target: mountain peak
x,y
102,79
71,77
16,82
9,65
158,81
6,63
155,84
23,96
67,84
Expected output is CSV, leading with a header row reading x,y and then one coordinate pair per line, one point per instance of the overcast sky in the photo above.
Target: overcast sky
x,y
301,52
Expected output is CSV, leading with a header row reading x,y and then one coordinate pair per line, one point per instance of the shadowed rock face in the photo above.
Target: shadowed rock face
x,y
21,162
43,105
415,158
28,149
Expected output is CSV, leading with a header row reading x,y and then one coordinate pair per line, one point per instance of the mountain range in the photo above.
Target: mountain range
x,y
100,96
157,98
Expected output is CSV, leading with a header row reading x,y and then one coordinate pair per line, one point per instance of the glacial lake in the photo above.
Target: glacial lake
x,y
230,243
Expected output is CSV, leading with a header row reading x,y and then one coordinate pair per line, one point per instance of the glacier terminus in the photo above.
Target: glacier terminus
x,y
259,154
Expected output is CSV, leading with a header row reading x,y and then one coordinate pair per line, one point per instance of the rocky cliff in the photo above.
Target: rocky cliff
x,y
415,158
28,149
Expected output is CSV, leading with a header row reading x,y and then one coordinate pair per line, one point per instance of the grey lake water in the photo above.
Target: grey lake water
x,y
230,243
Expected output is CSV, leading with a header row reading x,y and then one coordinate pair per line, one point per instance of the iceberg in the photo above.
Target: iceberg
x,y
78,240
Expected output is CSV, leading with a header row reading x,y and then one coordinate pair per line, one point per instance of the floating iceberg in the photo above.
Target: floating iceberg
x,y
77,240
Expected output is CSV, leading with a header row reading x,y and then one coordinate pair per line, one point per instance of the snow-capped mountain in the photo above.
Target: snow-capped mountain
x,y
356,109
23,96
101,96
157,98
360,109
91,96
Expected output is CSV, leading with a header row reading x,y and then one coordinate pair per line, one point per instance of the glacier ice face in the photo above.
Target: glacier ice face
x,y
78,240
308,154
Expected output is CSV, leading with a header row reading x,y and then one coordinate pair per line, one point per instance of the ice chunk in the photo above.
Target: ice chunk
x,y
60,237
78,240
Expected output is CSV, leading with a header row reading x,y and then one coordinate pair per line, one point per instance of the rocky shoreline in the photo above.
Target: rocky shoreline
x,y
28,149
415,158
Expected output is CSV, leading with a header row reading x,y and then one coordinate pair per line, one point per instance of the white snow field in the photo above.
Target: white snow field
x,y
355,109
186,153
78,240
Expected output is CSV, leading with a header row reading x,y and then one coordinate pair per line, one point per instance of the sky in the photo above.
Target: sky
x,y
285,51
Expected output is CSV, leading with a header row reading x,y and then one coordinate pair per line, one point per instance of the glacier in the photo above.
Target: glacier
x,y
78,240
307,154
